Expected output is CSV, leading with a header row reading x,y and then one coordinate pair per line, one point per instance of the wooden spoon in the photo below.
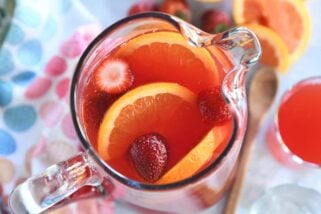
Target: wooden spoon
x,y
262,90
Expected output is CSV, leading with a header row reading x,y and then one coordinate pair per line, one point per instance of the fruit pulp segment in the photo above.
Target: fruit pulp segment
x,y
299,120
269,13
159,61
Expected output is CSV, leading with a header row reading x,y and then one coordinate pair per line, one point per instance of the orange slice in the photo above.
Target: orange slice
x,y
168,38
275,53
204,153
168,57
288,18
155,107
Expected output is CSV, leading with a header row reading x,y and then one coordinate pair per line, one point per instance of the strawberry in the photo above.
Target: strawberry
x,y
215,21
149,155
142,6
113,76
179,8
212,106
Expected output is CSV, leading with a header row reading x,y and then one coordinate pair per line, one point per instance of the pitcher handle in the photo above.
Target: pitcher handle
x,y
58,185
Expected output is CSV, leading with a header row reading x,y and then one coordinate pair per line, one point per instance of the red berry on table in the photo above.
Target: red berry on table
x,y
215,21
149,155
212,106
113,76
142,6
179,8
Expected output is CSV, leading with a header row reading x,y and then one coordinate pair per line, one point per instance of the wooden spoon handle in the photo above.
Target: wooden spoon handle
x,y
233,197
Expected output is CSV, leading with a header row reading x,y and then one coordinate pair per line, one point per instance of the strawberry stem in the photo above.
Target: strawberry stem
x,y
220,28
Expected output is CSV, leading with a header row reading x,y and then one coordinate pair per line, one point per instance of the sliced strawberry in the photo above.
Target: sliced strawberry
x,y
212,106
142,6
179,8
113,76
149,155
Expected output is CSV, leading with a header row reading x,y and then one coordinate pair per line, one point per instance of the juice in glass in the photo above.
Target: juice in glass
x,y
295,135
153,108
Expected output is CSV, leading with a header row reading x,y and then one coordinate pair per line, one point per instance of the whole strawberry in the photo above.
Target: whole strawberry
x,y
142,6
215,21
212,106
149,155
179,8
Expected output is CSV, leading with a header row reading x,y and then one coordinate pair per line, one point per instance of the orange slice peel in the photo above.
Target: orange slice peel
x,y
275,54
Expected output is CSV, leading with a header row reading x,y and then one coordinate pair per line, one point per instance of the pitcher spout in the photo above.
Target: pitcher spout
x,y
241,43
244,50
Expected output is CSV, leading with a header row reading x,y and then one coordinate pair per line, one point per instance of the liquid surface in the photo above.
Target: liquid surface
x,y
162,57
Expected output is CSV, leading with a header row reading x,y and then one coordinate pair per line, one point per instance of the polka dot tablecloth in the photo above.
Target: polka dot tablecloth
x,y
41,44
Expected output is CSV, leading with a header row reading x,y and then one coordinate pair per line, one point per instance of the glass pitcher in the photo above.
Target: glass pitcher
x,y
88,175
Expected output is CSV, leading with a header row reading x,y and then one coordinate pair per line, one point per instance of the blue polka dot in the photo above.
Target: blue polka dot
x,y
24,78
6,64
6,91
7,143
15,34
30,52
49,30
28,16
20,118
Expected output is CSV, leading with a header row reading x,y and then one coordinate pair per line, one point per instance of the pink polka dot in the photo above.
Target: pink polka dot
x,y
89,32
62,88
56,66
7,170
68,127
38,88
51,112
40,147
74,46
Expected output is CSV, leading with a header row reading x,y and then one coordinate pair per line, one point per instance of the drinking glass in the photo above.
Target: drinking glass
x,y
294,134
